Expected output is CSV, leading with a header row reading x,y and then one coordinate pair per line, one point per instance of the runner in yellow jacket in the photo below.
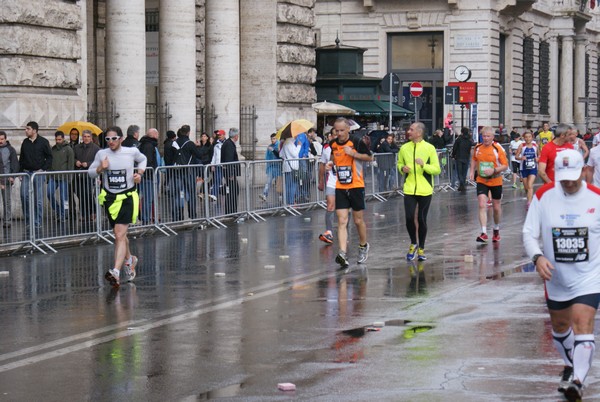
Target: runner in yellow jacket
x,y
418,161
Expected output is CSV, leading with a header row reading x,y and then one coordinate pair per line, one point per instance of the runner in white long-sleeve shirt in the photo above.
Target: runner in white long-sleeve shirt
x,y
564,215
119,197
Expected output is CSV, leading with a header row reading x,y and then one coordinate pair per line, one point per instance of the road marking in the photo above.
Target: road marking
x,y
134,327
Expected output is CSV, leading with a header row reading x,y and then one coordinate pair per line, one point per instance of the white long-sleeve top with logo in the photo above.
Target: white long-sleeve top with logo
x,y
119,175
569,229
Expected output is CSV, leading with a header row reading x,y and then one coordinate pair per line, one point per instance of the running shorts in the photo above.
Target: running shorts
x,y
496,191
350,198
121,208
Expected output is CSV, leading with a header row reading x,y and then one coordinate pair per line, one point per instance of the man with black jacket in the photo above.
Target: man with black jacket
x,y
461,153
133,133
149,147
185,176
231,171
36,156
9,163
83,187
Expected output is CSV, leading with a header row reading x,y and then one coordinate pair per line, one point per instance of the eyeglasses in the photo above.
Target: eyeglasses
x,y
112,138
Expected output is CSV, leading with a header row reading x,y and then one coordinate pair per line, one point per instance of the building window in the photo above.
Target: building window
x,y
544,87
151,20
528,75
598,90
587,75
417,51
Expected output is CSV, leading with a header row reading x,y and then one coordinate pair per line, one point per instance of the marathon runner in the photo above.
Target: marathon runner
x,y
347,155
564,216
119,197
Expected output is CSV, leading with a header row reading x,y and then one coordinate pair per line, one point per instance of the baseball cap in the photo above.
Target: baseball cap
x,y
221,132
568,165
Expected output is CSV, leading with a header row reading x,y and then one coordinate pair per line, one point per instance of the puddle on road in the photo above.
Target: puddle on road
x,y
410,333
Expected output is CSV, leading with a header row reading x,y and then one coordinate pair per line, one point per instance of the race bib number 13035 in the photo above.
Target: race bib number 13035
x,y
570,244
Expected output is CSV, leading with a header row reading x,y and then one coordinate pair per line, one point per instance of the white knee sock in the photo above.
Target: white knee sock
x,y
583,351
564,344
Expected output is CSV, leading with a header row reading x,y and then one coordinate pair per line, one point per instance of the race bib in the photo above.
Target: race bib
x,y
483,166
117,179
570,244
344,174
529,163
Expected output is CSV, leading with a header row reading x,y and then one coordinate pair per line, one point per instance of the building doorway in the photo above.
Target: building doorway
x,y
419,57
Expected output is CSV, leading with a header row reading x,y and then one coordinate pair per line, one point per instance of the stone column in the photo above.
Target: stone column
x,y
177,61
554,80
579,83
126,60
258,27
566,80
223,61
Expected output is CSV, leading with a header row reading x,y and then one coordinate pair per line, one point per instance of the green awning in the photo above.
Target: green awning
x,y
374,108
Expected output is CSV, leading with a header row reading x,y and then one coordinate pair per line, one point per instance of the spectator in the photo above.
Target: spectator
x,y
273,169
232,171
316,143
73,137
148,146
83,187
187,153
9,163
305,169
437,140
205,148
63,159
386,164
290,151
169,151
36,156
133,134
216,162
206,154
461,153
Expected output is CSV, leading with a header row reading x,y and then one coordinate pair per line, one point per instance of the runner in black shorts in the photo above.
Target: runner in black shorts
x,y
119,197
348,155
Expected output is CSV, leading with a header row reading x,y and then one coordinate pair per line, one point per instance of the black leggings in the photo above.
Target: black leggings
x,y
410,206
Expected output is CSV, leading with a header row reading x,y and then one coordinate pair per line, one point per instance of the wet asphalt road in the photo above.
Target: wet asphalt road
x,y
230,313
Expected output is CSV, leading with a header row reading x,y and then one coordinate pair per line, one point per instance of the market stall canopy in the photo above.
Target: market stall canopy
x,y
375,108
328,108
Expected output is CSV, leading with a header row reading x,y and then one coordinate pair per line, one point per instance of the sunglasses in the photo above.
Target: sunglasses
x,y
112,138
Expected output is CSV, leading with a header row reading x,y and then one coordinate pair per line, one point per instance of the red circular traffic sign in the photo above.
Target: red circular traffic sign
x,y
416,89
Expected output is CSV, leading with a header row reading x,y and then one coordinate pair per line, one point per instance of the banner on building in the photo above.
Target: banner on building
x,y
152,59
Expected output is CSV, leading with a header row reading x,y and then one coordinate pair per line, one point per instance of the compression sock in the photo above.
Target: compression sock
x,y
564,345
583,351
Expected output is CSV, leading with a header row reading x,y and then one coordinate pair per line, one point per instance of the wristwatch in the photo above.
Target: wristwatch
x,y
535,258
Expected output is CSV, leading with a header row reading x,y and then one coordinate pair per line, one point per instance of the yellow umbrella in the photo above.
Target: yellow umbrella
x,y
79,125
293,128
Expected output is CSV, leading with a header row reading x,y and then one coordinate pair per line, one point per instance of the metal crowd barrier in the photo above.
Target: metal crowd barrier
x,y
62,207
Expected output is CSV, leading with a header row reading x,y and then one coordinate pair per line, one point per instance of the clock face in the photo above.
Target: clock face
x,y
462,73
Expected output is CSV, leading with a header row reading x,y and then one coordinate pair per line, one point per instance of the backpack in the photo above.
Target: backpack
x,y
179,157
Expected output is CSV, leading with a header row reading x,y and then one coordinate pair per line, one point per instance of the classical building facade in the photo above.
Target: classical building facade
x,y
532,61
109,60
63,60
